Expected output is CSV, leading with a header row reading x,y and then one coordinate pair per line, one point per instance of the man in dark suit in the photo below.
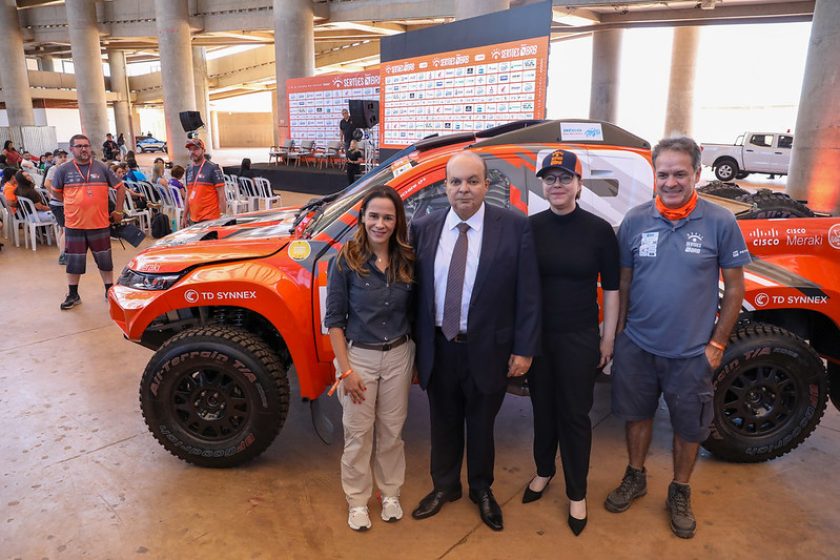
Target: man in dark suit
x,y
477,323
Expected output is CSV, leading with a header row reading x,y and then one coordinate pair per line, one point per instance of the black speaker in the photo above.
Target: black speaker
x,y
364,113
190,120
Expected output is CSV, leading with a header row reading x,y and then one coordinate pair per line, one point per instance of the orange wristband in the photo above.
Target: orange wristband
x,y
717,345
338,380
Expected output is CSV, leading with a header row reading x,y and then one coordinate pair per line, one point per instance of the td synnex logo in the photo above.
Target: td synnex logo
x,y
764,237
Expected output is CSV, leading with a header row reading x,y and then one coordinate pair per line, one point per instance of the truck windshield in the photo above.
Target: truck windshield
x,y
379,176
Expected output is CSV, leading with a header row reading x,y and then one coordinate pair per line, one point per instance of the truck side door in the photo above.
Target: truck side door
x,y
758,152
781,153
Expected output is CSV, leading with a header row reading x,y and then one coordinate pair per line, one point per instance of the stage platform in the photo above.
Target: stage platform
x,y
309,180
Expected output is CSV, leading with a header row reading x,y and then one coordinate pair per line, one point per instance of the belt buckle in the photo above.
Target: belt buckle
x,y
386,347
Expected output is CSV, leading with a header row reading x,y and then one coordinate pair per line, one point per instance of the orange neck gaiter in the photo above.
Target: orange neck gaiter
x,y
676,214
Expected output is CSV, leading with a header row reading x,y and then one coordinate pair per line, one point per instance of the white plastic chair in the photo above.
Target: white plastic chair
x,y
142,217
33,221
264,193
15,220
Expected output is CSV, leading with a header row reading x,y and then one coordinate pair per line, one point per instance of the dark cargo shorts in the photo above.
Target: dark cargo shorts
x,y
639,378
78,241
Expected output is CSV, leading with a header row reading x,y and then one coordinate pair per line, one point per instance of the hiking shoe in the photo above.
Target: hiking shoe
x,y
679,504
391,509
633,485
358,518
70,302
62,259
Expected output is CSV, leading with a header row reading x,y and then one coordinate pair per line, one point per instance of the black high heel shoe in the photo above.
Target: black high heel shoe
x,y
532,495
577,525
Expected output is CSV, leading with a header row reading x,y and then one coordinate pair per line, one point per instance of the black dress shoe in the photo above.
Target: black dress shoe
x,y
433,501
488,508
532,495
577,525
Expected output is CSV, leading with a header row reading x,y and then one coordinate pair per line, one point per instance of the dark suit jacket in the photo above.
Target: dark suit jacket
x,y
504,316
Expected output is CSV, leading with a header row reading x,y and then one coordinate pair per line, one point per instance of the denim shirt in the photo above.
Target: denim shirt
x,y
369,308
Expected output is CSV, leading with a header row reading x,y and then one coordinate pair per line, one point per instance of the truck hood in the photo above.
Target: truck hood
x,y
246,236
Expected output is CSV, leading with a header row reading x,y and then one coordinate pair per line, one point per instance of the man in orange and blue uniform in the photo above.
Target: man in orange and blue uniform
x,y
83,185
205,187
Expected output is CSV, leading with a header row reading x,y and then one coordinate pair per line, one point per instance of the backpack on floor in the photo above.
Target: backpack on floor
x,y
160,225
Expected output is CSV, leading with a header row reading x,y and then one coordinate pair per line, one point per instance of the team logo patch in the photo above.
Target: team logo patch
x,y
557,158
647,248
693,242
834,236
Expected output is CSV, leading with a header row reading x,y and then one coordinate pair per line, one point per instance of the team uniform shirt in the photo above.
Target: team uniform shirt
x,y
85,189
676,271
202,182
9,192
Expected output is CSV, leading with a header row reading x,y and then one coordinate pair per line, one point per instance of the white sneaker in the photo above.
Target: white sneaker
x,y
391,509
358,519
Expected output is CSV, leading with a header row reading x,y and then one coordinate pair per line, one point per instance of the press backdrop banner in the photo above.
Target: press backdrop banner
x,y
315,103
464,90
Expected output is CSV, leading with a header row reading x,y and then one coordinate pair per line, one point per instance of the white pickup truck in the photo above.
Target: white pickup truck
x,y
752,152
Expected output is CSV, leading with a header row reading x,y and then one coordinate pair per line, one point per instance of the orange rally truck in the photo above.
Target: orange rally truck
x,y
230,306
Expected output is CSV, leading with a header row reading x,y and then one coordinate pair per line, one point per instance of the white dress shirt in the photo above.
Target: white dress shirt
x,y
448,237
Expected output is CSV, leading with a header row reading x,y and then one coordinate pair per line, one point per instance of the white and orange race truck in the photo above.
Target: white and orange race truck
x,y
231,306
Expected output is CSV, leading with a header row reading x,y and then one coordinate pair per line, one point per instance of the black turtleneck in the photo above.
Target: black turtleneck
x,y
572,250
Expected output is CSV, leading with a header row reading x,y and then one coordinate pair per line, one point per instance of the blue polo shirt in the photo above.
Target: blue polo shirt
x,y
675,290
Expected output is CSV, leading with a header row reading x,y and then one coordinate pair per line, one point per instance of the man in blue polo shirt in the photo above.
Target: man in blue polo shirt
x,y
672,252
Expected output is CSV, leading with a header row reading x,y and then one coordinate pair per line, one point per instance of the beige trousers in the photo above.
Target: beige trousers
x,y
374,426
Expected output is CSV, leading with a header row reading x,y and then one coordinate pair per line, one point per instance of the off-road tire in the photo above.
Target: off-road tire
x,y
770,204
215,396
723,190
770,392
726,169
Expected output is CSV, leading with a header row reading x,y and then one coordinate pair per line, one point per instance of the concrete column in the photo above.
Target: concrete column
x,y
135,123
606,59
814,173
46,63
14,78
119,85
202,93
294,52
87,63
176,68
465,9
678,119
214,128
274,118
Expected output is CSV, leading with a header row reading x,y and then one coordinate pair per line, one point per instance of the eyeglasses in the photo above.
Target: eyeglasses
x,y
563,179
81,146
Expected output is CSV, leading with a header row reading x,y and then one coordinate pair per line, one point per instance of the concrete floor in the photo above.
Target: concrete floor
x,y
83,478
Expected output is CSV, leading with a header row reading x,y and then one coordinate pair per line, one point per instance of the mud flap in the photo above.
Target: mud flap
x,y
323,425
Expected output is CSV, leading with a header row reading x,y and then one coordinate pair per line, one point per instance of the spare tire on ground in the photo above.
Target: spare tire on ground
x,y
771,204
723,190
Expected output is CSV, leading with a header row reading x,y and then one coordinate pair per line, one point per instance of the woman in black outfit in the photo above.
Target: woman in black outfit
x,y
354,156
573,248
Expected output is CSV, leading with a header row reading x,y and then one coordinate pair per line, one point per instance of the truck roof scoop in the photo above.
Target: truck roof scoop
x,y
210,235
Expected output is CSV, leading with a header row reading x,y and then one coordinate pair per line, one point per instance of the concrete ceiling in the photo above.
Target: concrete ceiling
x,y
346,32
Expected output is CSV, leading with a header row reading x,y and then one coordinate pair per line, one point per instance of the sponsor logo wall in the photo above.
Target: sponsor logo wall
x,y
466,90
315,103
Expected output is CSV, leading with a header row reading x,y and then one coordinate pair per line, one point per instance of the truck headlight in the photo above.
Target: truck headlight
x,y
147,281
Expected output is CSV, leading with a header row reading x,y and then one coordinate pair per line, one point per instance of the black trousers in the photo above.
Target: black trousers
x,y
562,382
455,403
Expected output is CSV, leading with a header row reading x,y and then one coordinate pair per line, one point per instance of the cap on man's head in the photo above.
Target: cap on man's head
x,y
562,160
197,142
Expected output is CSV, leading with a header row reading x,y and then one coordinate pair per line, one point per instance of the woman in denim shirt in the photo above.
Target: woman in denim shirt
x,y
368,300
